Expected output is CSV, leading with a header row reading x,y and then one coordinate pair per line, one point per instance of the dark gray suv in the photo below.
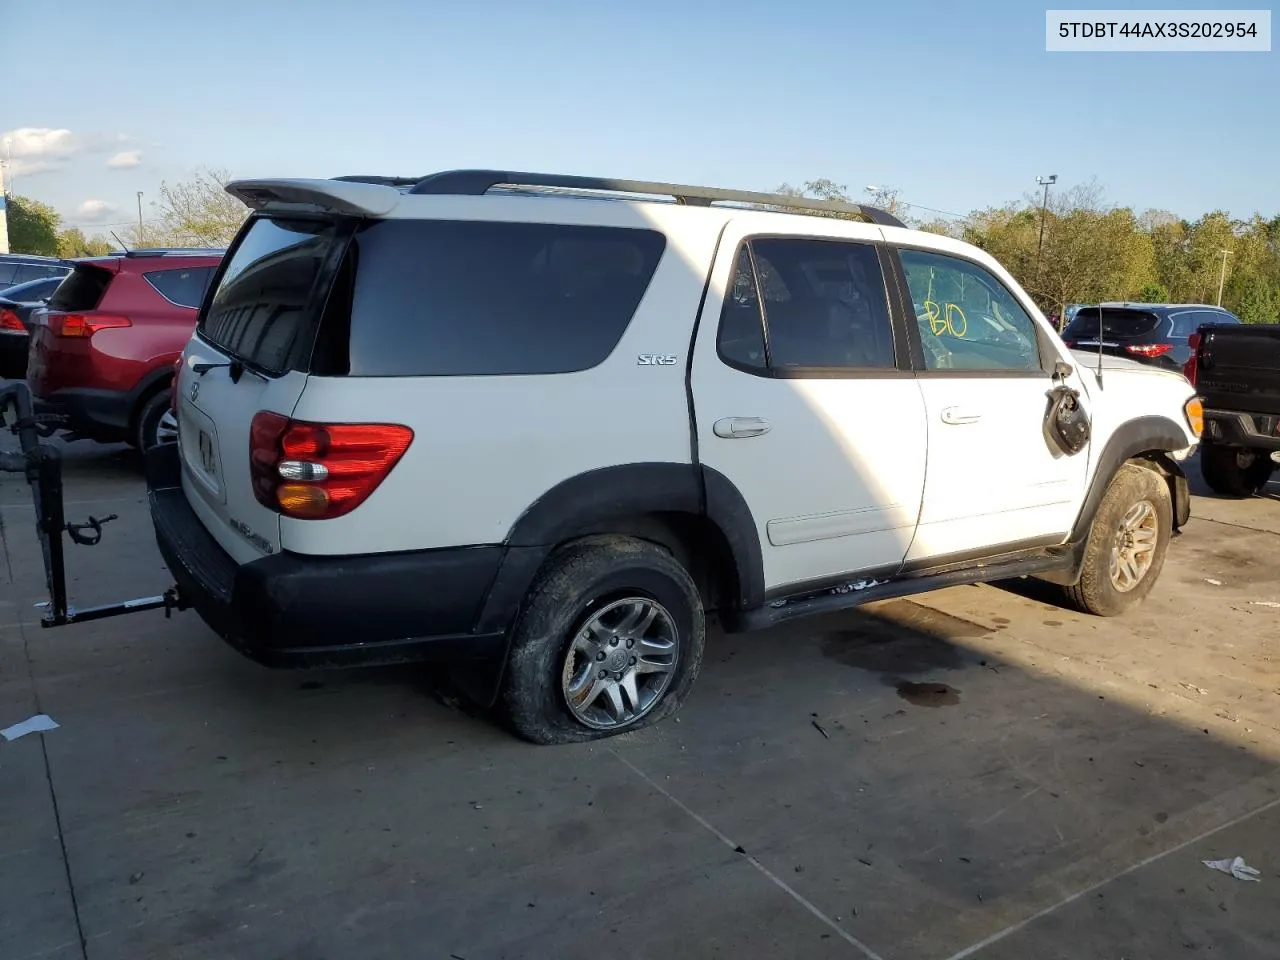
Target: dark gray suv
x,y
1154,333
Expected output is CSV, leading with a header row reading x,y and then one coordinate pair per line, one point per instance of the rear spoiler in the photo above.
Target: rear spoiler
x,y
332,196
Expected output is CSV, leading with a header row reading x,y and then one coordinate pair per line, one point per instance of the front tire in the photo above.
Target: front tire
x,y
1127,543
609,640
1234,471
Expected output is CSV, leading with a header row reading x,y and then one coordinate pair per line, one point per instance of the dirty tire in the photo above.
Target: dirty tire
x,y
575,583
148,422
1227,476
1096,593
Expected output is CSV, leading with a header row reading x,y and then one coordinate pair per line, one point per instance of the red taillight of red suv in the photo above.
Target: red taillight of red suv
x,y
1149,349
318,471
85,325
11,321
1189,369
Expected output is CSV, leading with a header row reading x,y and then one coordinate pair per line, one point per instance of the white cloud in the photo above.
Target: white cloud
x,y
95,211
125,158
39,149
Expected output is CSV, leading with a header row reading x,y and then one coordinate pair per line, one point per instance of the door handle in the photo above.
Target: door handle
x,y
960,415
736,428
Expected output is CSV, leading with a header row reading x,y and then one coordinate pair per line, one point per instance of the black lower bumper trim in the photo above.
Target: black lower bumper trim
x,y
288,610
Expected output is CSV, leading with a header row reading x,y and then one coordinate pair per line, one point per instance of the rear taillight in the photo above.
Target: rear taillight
x,y
1149,349
85,324
1191,367
318,471
11,321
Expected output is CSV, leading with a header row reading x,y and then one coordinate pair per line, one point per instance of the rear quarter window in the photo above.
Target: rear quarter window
x,y
459,298
183,287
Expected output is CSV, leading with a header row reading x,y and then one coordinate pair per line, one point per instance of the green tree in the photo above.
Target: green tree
x,y
196,212
33,226
1153,292
72,243
1259,302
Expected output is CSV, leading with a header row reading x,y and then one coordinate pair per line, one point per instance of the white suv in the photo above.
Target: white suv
x,y
539,426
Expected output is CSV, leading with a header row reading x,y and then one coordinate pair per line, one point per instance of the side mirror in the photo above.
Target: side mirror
x,y
1062,370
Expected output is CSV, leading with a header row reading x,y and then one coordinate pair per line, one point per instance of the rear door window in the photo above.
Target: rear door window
x,y
259,313
183,287
462,298
822,302
7,272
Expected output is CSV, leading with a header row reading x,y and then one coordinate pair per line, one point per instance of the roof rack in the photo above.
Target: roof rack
x,y
170,252
479,182
380,181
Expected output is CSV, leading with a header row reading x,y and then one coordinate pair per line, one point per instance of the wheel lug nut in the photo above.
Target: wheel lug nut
x,y
600,655
633,661
630,643
604,674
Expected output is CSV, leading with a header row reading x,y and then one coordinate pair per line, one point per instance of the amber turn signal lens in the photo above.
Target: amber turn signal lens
x,y
302,499
1194,410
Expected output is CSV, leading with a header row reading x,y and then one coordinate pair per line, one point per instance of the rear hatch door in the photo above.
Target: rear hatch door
x,y
1120,329
249,354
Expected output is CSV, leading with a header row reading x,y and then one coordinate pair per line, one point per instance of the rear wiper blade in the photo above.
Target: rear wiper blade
x,y
234,367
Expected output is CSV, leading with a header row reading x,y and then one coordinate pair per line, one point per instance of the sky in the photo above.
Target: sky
x,y
957,105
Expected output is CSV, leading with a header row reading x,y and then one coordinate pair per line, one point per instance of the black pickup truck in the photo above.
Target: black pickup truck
x,y
1236,371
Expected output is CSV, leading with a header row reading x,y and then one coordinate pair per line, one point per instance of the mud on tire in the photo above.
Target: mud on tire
x,y
1136,509
570,642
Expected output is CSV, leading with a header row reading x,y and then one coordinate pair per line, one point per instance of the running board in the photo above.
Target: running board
x,y
856,593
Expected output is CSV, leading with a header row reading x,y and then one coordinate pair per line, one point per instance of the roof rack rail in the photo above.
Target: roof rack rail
x,y
170,252
479,182
380,181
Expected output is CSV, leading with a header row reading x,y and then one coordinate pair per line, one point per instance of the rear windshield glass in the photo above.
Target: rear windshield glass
x,y
82,289
1117,323
185,287
458,298
260,306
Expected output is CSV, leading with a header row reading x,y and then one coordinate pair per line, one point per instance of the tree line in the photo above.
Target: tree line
x,y
1093,251
191,213
1078,249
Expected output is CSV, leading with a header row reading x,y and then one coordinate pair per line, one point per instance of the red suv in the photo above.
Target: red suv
x,y
103,351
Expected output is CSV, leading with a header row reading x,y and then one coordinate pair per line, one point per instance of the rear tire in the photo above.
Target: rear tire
x,y
1127,543
147,431
1234,471
609,640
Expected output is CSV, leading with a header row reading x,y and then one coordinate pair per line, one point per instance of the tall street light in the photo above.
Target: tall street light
x,y
139,218
1222,274
1045,182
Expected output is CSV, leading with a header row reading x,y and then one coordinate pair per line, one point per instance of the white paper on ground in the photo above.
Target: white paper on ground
x,y
37,724
1235,866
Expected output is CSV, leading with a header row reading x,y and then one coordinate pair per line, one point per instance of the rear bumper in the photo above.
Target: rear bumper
x,y
1232,428
99,414
287,610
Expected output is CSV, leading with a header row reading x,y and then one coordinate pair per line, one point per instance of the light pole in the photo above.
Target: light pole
x,y
1045,182
1222,274
139,218
8,165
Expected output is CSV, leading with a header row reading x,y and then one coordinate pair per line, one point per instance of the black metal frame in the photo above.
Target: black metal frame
x,y
475,183
42,465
